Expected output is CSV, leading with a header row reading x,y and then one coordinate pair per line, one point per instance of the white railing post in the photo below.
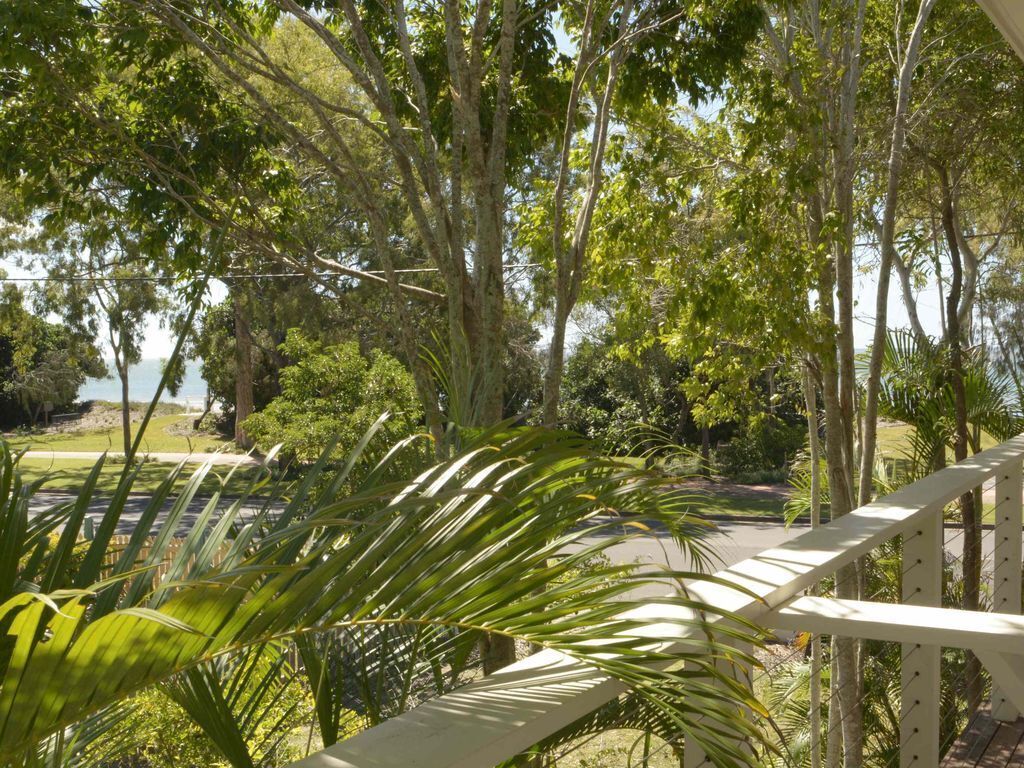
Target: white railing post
x,y
920,670
693,755
1006,592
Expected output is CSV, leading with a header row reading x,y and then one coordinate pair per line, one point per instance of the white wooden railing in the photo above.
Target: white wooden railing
x,y
496,718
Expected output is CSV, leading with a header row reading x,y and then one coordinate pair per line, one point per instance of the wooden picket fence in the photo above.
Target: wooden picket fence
x,y
119,543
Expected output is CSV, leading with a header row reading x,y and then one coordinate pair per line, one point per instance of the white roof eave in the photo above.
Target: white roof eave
x,y
1008,16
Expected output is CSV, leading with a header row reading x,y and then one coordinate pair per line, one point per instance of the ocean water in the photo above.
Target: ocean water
x,y
143,380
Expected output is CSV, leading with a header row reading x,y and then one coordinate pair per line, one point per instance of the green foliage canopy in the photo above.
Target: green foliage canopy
x,y
334,393
40,361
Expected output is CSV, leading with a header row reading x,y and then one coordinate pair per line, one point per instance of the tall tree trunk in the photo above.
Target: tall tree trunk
x,y
705,450
849,579
888,249
838,427
243,362
571,262
968,510
555,367
126,407
814,449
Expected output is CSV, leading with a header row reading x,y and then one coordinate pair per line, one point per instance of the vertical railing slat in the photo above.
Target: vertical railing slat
x,y
1006,592
920,670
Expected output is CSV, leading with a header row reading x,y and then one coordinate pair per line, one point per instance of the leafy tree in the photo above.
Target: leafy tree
x,y
607,393
272,306
1004,310
334,393
367,110
716,41
961,188
40,362
105,282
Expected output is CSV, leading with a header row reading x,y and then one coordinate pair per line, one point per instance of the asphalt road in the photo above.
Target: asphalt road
x,y
732,542
133,511
729,542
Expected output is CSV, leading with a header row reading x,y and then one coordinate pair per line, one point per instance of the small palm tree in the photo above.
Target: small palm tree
x,y
916,390
383,590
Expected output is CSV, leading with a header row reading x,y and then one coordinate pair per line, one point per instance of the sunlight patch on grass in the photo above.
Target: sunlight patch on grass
x,y
164,435
70,475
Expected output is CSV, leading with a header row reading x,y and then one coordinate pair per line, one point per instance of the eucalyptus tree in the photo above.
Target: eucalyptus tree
x,y
649,69
765,261
1004,310
104,276
962,193
905,58
454,102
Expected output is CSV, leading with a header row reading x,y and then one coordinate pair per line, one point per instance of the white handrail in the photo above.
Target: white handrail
x,y
493,719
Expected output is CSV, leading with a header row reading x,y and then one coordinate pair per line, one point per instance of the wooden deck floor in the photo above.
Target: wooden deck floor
x,y
988,743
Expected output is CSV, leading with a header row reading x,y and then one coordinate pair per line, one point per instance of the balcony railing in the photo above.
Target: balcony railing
x,y
500,716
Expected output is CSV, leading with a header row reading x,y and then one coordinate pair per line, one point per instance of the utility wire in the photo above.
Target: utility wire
x,y
236,276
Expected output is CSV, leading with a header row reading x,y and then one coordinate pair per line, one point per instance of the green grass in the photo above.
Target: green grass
x,y
166,433
158,439
70,475
894,441
615,747
723,502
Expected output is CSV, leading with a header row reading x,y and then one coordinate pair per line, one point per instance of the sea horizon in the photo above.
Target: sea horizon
x,y
143,380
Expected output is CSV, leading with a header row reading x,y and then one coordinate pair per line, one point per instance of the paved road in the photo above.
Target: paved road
x,y
133,511
241,459
730,542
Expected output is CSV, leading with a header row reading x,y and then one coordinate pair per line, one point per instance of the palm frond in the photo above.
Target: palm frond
x,y
488,541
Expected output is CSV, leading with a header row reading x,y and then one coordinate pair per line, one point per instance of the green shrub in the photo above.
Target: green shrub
x,y
764,444
164,735
334,392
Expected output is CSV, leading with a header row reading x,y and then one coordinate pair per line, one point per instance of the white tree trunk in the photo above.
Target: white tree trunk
x,y
888,250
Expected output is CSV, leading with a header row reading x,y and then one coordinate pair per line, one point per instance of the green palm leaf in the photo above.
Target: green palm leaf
x,y
489,541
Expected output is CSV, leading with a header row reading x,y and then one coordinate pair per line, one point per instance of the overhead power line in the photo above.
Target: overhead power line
x,y
233,276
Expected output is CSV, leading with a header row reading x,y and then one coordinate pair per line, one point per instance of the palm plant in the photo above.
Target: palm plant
x,y
916,389
384,588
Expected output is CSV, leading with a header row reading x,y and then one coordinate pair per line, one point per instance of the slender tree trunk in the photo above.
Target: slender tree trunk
x,y
814,449
968,511
126,407
705,450
888,249
847,699
243,363
570,263
555,367
849,661
838,426
684,416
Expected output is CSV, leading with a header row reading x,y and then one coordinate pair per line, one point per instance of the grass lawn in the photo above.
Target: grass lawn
x,y
70,475
894,441
167,433
615,747
727,502
160,437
